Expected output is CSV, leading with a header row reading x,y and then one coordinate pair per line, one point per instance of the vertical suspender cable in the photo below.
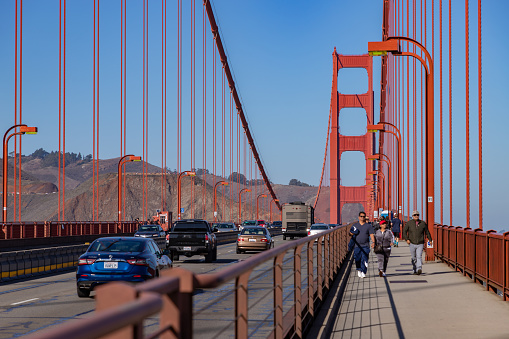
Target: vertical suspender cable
x,y
93,129
125,97
450,115
193,102
408,109
414,104
60,113
63,115
441,129
421,120
143,123
97,115
162,106
204,112
479,54
21,108
165,181
467,113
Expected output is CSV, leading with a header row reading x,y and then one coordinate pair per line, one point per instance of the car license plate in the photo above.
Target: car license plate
x,y
111,265
187,248
253,240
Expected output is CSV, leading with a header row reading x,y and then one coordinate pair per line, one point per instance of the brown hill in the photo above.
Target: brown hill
x,y
39,196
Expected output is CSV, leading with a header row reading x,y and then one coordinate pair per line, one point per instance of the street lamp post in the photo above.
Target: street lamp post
x,y
380,127
240,202
181,175
23,129
224,183
380,188
392,45
270,208
257,198
122,161
380,157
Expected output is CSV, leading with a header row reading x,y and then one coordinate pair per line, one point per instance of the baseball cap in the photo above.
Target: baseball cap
x,y
415,212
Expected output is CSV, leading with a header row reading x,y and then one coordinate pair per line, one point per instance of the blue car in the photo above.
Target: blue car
x,y
119,259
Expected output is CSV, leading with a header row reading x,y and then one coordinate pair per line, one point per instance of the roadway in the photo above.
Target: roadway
x,y
31,305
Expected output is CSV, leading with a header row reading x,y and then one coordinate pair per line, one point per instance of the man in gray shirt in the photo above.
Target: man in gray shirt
x,y
361,249
413,233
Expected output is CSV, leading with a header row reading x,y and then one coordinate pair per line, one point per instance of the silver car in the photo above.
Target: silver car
x,y
318,228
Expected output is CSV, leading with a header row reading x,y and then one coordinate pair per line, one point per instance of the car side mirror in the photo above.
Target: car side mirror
x,y
215,230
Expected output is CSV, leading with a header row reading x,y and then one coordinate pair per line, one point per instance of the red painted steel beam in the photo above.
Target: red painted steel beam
x,y
238,104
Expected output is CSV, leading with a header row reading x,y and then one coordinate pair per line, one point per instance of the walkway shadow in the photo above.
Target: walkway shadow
x,y
394,310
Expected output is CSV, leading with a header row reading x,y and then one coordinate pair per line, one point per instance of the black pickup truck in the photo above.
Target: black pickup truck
x,y
192,237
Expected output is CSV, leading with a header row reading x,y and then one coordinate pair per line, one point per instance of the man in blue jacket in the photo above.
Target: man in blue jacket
x,y
396,228
361,249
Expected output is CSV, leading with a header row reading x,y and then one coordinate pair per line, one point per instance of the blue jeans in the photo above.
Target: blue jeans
x,y
360,255
416,253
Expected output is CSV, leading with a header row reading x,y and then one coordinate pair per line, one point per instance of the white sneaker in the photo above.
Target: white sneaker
x,y
363,275
383,274
359,274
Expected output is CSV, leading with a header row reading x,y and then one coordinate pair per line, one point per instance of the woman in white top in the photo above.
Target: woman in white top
x,y
384,237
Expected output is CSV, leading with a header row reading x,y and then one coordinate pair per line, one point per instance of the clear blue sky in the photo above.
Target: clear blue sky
x,y
280,53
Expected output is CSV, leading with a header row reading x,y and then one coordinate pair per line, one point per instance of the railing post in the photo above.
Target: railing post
x,y
311,289
278,295
115,294
241,303
297,291
185,300
505,263
488,278
319,268
326,262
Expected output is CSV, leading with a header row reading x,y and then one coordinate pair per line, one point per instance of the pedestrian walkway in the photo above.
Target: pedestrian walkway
x,y
440,303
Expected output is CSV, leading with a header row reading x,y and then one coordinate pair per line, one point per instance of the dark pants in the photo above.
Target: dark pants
x,y
360,255
383,259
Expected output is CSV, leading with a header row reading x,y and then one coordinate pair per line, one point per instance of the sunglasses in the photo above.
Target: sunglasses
x,y
362,216
416,215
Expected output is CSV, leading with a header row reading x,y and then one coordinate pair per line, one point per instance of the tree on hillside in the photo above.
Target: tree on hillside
x,y
295,182
39,154
238,177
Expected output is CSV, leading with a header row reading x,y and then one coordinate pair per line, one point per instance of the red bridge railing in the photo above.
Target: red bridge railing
x,y
121,309
481,255
57,229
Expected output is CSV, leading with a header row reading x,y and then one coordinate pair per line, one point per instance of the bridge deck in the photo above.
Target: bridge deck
x,y
440,303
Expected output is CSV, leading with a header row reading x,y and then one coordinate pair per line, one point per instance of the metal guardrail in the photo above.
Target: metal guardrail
x,y
483,256
121,308
22,230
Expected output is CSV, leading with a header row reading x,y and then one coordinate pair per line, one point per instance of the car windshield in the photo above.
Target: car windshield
x,y
225,226
249,222
148,228
116,245
319,227
253,231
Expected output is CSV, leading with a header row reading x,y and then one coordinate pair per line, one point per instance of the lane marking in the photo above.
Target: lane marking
x,y
24,301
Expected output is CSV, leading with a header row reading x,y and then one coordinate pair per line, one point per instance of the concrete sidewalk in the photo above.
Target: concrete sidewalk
x,y
440,303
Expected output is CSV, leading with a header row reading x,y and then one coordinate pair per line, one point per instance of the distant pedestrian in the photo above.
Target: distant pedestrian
x,y
361,249
396,229
413,233
385,238
376,224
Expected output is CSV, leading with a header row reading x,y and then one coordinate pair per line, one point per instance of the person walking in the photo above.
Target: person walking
x,y
361,249
396,229
385,238
413,233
